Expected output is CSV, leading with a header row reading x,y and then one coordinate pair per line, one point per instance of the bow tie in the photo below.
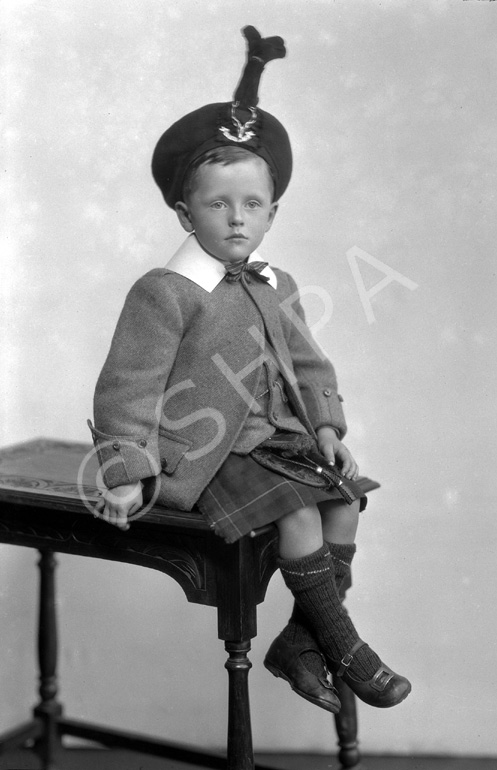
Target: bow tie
x,y
244,271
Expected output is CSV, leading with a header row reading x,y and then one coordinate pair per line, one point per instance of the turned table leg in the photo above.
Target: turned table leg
x,y
237,574
346,726
48,710
346,720
240,751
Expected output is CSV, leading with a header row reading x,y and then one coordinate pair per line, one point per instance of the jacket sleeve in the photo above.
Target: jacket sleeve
x,y
130,389
315,374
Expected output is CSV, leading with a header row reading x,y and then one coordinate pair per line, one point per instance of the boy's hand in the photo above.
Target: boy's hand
x,y
336,452
117,503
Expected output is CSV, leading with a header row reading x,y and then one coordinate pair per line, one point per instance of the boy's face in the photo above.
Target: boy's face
x,y
230,208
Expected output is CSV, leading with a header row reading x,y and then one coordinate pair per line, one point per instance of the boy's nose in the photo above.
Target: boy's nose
x,y
236,216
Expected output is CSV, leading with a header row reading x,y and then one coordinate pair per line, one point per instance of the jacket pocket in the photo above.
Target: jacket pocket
x,y
172,449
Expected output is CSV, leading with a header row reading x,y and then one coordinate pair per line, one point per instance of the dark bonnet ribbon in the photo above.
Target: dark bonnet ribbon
x,y
244,270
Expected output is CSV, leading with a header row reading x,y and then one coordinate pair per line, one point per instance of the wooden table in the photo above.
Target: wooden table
x,y
47,489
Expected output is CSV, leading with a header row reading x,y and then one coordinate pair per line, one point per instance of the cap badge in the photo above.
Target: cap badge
x,y
244,135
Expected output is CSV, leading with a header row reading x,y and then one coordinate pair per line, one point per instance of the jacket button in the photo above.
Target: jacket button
x,y
327,392
142,443
163,462
275,417
116,445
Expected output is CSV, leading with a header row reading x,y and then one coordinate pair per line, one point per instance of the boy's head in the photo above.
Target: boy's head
x,y
196,134
239,124
228,201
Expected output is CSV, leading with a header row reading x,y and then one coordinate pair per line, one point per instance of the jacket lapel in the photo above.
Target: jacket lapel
x,y
267,301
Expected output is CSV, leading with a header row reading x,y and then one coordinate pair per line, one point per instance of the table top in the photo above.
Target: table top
x,y
64,475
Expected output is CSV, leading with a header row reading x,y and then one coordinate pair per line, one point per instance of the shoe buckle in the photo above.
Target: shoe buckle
x,y
381,678
345,663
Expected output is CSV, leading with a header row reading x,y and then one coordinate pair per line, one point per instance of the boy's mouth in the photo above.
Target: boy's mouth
x,y
237,237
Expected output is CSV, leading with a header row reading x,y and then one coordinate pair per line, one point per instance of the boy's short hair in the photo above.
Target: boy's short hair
x,y
222,156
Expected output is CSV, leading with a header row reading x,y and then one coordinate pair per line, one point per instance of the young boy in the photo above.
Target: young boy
x,y
210,364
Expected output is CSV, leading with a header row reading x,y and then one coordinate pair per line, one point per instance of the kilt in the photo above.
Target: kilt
x,y
243,496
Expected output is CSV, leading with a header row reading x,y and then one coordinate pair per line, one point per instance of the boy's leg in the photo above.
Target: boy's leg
x,y
339,527
300,533
339,523
295,655
311,578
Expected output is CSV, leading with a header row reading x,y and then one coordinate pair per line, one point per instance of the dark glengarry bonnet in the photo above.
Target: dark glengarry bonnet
x,y
239,123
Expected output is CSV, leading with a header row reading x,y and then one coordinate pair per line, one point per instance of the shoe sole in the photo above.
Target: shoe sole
x,y
315,701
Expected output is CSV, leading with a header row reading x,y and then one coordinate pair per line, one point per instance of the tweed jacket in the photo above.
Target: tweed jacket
x,y
182,372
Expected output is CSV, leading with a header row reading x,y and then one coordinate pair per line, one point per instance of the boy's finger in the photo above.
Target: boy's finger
x,y
111,513
114,517
121,521
119,518
352,471
346,468
328,452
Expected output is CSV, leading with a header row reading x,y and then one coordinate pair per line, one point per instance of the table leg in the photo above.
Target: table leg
x,y
240,750
48,710
346,726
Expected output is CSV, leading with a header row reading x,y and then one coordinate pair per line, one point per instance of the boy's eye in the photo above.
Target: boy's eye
x,y
253,204
218,205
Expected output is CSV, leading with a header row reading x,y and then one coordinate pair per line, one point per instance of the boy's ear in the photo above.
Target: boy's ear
x,y
183,214
272,214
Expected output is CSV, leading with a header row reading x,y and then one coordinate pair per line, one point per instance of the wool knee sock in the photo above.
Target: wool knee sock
x,y
342,555
298,630
312,582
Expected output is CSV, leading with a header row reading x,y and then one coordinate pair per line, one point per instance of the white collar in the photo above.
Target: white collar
x,y
191,261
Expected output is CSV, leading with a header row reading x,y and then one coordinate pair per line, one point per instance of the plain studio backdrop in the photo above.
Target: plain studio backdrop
x,y
391,109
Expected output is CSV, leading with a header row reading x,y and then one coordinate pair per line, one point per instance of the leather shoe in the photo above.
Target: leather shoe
x,y
383,690
283,660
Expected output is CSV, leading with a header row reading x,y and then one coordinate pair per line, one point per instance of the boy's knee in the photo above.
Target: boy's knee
x,y
300,519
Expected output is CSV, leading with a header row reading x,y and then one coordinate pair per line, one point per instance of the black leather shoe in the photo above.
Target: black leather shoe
x,y
283,660
383,690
